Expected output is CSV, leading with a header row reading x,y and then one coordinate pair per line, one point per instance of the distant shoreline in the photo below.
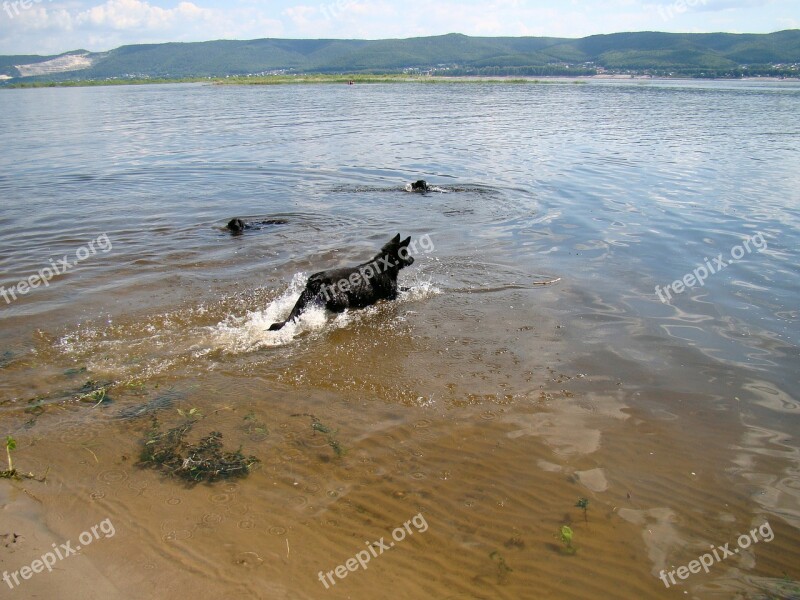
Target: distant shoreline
x,y
372,79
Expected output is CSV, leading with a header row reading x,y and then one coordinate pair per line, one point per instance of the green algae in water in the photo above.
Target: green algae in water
x,y
254,426
95,392
317,425
6,358
75,371
205,460
502,568
162,402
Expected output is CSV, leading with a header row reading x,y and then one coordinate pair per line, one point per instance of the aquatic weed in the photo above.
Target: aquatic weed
x,y
202,461
317,425
502,568
584,504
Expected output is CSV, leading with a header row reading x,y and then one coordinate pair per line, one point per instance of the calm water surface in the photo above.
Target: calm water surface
x,y
486,402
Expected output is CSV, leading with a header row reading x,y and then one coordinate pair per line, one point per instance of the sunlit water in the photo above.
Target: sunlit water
x,y
491,397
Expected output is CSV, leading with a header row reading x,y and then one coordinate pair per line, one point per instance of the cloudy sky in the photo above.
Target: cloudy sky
x,y
55,26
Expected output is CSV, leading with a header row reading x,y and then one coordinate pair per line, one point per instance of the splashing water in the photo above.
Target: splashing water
x,y
250,332
431,188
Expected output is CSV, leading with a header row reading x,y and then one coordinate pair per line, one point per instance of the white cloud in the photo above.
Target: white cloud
x,y
44,29
300,15
134,14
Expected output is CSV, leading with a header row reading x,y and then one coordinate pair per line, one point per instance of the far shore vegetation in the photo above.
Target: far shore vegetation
x,y
286,80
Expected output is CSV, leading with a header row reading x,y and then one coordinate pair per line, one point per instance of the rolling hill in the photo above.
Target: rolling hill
x,y
712,54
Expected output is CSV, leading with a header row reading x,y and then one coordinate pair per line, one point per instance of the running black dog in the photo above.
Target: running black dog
x,y
355,287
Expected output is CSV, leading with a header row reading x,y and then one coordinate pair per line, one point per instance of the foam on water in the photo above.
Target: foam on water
x,y
431,188
238,334
241,334
149,346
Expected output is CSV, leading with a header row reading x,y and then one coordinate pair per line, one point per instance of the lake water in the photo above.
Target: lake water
x,y
481,399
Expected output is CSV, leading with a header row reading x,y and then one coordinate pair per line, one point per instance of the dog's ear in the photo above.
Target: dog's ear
x,y
395,239
405,242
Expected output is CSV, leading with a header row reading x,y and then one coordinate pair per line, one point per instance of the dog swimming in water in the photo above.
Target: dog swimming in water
x,y
419,186
237,225
355,287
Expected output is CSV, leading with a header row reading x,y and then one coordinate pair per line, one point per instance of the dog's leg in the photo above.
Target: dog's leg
x,y
309,293
298,308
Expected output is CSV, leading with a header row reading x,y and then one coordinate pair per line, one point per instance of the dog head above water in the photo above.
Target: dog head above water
x,y
396,252
420,186
236,225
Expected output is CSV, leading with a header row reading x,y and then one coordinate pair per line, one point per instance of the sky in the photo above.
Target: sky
x,y
54,26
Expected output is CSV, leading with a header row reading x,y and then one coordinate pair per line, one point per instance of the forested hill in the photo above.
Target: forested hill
x,y
711,54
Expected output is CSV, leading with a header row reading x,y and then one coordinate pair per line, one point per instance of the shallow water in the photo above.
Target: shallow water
x,y
484,401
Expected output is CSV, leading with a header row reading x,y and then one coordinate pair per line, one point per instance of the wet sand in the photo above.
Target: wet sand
x,y
494,456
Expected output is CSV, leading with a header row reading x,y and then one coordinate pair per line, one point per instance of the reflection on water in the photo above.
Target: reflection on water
x,y
480,398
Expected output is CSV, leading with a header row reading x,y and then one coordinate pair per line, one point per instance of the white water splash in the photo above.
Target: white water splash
x,y
431,188
251,331
237,335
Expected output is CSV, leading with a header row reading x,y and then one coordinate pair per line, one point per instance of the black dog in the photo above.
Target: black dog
x,y
420,186
355,287
236,226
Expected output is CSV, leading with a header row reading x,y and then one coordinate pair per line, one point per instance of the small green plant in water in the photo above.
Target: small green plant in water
x,y
254,426
11,444
192,413
338,449
317,426
583,503
566,538
94,392
12,473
